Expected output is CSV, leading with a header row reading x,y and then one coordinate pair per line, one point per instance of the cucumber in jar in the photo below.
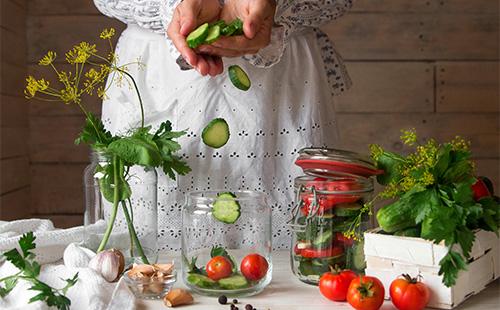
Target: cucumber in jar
x,y
356,257
201,280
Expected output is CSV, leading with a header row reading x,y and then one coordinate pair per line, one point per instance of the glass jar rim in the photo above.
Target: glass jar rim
x,y
349,185
210,196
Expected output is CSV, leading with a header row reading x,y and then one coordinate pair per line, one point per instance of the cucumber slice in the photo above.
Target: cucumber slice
x,y
239,78
226,209
234,28
323,239
233,283
213,34
197,36
216,133
221,23
348,209
357,257
201,280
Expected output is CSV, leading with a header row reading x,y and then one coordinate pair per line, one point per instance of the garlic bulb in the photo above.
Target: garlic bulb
x,y
109,264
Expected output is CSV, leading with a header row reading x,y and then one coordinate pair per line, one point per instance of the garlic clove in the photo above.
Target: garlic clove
x,y
146,270
109,264
178,297
164,268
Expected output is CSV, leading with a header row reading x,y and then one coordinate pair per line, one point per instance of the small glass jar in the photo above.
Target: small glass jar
x,y
241,235
330,213
140,208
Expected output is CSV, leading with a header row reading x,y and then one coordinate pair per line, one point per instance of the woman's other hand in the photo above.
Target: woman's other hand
x,y
188,15
258,20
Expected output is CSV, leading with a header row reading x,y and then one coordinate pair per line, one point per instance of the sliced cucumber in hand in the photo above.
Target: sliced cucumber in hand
x,y
197,36
234,28
216,133
239,78
213,34
226,209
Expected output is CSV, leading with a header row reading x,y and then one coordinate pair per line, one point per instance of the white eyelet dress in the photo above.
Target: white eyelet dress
x,y
288,107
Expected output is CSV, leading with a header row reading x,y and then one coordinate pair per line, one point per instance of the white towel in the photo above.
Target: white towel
x,y
61,257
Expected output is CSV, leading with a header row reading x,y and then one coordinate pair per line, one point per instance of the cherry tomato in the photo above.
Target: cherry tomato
x,y
340,238
326,202
366,293
254,267
408,293
328,252
333,285
219,267
480,190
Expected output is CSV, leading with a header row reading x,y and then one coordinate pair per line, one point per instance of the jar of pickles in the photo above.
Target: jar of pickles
x,y
331,212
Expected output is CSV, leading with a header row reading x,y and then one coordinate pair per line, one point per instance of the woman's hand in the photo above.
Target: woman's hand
x,y
258,20
187,16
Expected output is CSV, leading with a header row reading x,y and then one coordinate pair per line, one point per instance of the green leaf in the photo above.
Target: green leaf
x,y
465,237
15,258
391,163
458,172
450,266
37,297
440,224
27,243
70,283
107,181
173,164
9,286
425,202
94,133
136,150
32,269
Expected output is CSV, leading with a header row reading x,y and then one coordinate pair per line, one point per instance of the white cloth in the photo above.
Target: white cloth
x,y
91,292
289,106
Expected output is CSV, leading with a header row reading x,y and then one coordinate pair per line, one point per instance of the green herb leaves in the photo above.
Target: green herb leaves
x,y
434,190
29,270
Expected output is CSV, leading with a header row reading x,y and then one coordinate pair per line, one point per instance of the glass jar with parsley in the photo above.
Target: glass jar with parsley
x,y
331,212
129,225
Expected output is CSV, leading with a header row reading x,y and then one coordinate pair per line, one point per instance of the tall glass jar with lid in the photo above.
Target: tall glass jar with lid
x,y
130,224
331,212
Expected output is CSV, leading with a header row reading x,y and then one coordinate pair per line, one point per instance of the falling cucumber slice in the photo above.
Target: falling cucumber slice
x,y
216,133
239,78
197,36
226,209
213,34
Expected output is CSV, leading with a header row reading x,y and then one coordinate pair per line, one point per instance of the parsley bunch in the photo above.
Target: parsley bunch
x,y
142,146
29,270
435,183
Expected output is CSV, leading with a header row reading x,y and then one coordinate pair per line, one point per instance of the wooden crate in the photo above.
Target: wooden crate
x,y
389,256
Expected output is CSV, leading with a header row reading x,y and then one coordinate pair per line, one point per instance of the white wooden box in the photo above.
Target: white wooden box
x,y
387,257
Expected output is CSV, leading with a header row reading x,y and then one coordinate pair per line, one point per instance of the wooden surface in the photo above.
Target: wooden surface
x,y
286,292
14,122
428,64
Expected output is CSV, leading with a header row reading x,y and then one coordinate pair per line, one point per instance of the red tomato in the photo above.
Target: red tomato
x,y
219,267
366,293
254,267
480,190
408,293
328,252
333,285
340,238
326,202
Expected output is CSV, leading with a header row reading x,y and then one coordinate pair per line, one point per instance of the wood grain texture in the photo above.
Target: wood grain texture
x,y
60,33
13,17
427,6
389,87
57,188
15,205
357,131
14,174
62,7
12,79
372,36
467,87
13,47
13,112
13,142
491,169
52,140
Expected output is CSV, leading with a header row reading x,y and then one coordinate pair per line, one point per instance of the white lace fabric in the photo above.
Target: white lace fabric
x,y
60,256
288,107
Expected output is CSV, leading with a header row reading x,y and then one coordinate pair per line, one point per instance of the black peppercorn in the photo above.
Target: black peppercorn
x,y
235,301
222,299
233,307
248,307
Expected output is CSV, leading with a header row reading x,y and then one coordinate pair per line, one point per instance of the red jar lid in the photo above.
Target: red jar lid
x,y
325,162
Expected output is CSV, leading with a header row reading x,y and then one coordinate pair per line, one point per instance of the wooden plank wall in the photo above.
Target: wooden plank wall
x,y
14,163
428,64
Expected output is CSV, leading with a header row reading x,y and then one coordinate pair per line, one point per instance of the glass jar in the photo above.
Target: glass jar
x,y
236,226
131,225
330,212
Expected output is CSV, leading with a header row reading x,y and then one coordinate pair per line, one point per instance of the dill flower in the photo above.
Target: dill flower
x,y
48,59
107,33
70,94
376,151
80,53
33,86
409,137
460,144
